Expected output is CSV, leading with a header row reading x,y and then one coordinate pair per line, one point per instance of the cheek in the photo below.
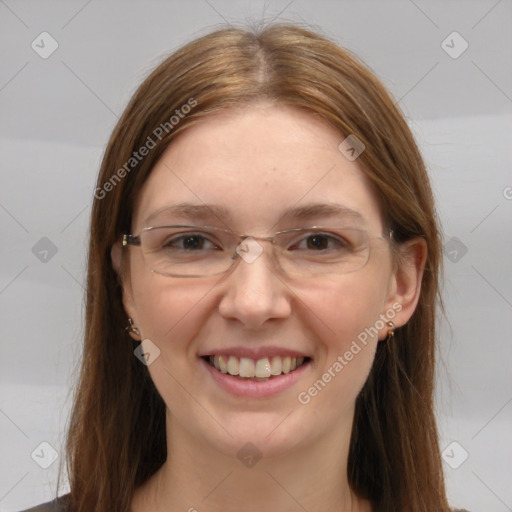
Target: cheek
x,y
347,306
345,322
169,311
171,315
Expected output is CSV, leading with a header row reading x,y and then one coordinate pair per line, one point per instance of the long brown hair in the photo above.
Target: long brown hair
x,y
116,438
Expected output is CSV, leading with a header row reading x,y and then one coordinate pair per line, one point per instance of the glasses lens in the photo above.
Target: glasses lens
x,y
187,250
319,251
198,251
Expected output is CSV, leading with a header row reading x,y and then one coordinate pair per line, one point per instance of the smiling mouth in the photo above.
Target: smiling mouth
x,y
261,370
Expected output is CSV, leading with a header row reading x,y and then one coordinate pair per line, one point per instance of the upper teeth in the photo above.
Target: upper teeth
x,y
262,368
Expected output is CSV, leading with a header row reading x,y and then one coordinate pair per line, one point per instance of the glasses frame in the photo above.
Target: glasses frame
x,y
135,241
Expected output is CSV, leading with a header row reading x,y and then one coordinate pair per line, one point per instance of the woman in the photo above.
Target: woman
x,y
261,297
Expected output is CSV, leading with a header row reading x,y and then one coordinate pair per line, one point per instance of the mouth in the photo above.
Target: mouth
x,y
261,370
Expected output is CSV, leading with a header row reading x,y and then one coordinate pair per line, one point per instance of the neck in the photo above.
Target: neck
x,y
197,477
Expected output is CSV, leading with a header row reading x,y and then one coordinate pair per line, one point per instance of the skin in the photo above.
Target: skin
x,y
256,162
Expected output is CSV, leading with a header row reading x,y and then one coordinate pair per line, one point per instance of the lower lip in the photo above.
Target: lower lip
x,y
253,388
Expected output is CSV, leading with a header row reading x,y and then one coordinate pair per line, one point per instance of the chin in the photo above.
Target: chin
x,y
266,434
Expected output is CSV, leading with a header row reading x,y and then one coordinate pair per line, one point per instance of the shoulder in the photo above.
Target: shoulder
x,y
59,504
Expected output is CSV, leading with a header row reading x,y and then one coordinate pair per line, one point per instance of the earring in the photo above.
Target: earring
x,y
131,327
391,331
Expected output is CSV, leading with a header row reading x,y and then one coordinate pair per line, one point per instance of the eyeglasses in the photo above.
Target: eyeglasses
x,y
201,251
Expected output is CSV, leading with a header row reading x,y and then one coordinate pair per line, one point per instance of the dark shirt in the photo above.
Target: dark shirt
x,y
58,505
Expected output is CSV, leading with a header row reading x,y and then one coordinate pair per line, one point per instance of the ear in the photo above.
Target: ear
x,y
116,254
405,282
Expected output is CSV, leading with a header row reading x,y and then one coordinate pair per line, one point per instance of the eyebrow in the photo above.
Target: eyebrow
x,y
192,211
205,212
309,211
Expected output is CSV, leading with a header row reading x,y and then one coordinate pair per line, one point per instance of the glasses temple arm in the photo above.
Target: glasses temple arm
x,y
131,240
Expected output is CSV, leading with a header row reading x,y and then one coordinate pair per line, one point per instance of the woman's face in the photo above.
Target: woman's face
x,y
258,171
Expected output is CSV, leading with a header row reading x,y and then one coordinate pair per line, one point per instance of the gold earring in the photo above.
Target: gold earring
x,y
131,327
391,331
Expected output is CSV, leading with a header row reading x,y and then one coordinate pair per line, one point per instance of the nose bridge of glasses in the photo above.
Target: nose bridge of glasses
x,y
253,242
270,239
249,247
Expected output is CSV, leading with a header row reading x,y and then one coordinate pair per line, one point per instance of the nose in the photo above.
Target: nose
x,y
254,292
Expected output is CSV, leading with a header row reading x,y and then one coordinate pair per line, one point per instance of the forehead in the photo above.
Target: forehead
x,y
254,165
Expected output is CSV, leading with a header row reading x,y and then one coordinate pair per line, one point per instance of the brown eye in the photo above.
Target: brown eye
x,y
317,242
193,242
189,242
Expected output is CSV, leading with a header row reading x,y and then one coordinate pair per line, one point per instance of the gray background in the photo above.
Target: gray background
x,y
57,114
